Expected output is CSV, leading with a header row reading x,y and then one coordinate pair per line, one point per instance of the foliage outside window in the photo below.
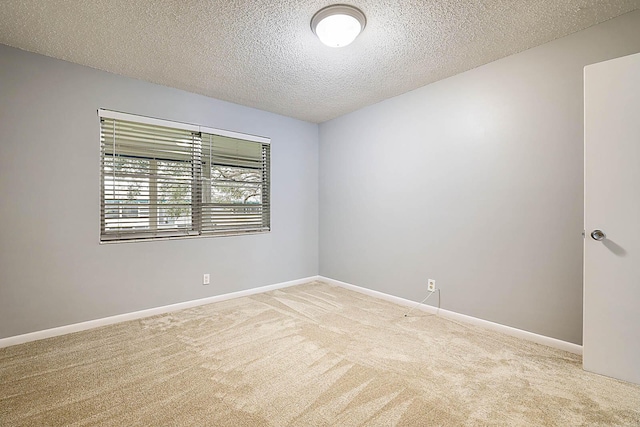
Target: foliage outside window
x,y
162,179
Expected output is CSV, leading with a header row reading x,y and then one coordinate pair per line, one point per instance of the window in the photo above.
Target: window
x,y
166,179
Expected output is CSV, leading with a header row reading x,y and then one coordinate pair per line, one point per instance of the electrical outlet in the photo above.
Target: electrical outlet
x,y
206,279
431,285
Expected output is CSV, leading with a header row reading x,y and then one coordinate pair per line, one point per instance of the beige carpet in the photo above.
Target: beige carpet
x,y
310,355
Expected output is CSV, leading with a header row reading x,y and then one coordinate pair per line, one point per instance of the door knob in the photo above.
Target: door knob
x,y
598,235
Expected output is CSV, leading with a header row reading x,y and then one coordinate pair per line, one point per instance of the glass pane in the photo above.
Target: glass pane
x,y
235,185
174,194
126,193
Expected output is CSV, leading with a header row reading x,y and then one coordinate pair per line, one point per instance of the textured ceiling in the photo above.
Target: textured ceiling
x,y
262,53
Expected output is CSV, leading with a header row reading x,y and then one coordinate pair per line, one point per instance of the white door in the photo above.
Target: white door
x,y
611,337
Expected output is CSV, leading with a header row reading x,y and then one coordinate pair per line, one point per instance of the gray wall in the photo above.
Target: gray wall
x,y
53,271
475,181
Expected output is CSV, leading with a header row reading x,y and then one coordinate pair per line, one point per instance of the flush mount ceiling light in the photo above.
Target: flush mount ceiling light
x,y
338,25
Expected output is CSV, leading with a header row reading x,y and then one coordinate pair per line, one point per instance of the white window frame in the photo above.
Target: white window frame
x,y
197,229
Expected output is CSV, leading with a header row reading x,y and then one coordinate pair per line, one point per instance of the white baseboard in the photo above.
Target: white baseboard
x,y
83,326
519,333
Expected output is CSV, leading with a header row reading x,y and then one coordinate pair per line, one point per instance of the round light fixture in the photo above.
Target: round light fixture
x,y
338,25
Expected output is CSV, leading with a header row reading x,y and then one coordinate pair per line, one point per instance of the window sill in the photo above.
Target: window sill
x,y
200,236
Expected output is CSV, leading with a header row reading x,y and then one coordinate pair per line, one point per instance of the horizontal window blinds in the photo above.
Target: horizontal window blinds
x,y
160,181
236,177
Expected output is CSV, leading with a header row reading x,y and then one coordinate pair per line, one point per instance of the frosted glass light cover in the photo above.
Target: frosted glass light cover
x,y
338,30
338,25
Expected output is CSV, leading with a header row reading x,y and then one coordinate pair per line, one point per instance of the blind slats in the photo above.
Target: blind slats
x,y
160,182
